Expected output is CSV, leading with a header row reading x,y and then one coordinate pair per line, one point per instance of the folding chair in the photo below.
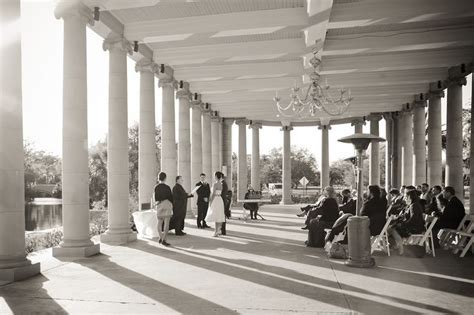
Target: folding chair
x,y
449,238
425,239
465,240
381,241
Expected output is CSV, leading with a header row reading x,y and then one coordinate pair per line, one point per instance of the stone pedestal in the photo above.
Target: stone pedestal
x,y
13,263
435,167
75,160
286,167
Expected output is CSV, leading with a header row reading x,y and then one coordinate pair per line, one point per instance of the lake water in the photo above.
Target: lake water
x,y
43,213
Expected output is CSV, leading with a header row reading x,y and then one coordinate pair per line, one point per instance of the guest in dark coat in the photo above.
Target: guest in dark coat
x,y
203,193
397,203
224,195
375,209
410,221
251,206
180,202
433,205
322,217
453,213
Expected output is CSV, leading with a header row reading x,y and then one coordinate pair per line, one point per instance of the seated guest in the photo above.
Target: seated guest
x,y
397,203
350,205
346,196
338,227
433,204
441,203
452,213
410,221
323,217
251,206
374,208
383,196
308,208
426,196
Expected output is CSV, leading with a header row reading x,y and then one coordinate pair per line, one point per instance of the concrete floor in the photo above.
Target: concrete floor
x,y
260,267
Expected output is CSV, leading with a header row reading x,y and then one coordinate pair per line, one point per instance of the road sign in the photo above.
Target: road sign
x,y
304,181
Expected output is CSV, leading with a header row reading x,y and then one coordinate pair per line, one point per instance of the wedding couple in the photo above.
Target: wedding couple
x,y
210,203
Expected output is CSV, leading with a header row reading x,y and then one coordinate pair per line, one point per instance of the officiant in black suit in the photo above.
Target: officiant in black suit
x,y
203,192
180,202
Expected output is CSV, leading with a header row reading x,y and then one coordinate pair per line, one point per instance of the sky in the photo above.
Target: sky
x,y
42,46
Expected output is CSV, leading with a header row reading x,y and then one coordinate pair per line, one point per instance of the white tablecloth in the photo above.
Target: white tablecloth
x,y
146,223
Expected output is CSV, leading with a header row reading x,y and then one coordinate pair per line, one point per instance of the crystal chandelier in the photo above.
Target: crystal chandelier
x,y
316,99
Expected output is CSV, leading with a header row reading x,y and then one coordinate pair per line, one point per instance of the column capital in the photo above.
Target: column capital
x,y
228,121
358,121
324,127
255,124
374,117
215,116
241,121
206,108
146,65
71,8
116,42
437,89
457,75
388,116
183,91
165,76
286,128
167,83
420,100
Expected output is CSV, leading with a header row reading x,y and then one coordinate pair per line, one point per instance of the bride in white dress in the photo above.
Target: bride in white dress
x,y
216,205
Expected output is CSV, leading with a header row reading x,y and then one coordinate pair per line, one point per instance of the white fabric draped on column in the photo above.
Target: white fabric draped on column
x,y
147,163
118,231
13,263
75,158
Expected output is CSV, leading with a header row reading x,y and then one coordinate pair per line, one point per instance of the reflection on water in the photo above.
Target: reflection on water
x,y
43,213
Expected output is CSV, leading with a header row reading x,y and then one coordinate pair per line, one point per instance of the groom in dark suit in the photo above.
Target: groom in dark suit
x,y
203,192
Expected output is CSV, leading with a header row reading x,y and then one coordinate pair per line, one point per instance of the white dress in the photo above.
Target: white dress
x,y
215,213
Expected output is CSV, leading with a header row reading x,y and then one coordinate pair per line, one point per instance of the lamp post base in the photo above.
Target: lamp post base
x,y
359,243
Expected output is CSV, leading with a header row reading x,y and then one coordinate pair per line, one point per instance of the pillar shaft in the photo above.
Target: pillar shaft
x,y
215,144
358,124
395,151
147,164
207,145
196,146
419,143
221,139
255,166
117,144
168,136
242,160
324,156
184,143
227,148
388,151
407,149
454,138
435,167
374,162
471,153
75,161
13,263
286,166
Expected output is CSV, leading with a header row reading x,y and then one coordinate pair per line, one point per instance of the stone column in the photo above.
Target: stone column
x,y
255,167
435,167
471,153
147,164
324,155
221,152
242,160
374,162
196,145
419,140
286,166
215,142
358,124
407,148
118,231
13,263
388,150
168,136
75,159
184,143
396,140
227,148
454,138
207,143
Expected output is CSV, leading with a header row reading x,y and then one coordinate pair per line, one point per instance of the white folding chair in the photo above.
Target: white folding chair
x,y
380,242
426,238
465,240
450,238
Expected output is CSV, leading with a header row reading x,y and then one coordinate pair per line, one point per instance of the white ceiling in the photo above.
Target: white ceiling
x,y
237,53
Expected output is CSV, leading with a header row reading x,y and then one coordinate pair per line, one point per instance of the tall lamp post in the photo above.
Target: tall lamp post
x,y
358,226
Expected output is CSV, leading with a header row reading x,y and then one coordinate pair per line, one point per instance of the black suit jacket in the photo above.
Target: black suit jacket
x,y
452,214
375,210
204,191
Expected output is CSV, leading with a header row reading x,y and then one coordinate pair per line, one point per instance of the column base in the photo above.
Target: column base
x,y
19,273
366,263
118,239
286,202
82,251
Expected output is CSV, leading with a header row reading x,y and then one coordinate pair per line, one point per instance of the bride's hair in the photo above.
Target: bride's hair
x,y
219,175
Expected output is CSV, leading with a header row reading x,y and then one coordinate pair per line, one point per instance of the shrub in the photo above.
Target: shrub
x,y
311,199
99,221
275,199
41,240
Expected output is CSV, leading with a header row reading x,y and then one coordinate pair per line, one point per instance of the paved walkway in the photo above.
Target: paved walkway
x,y
260,267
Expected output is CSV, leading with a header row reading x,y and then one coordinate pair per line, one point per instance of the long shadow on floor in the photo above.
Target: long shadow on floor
x,y
158,291
271,247
275,226
290,281
29,296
